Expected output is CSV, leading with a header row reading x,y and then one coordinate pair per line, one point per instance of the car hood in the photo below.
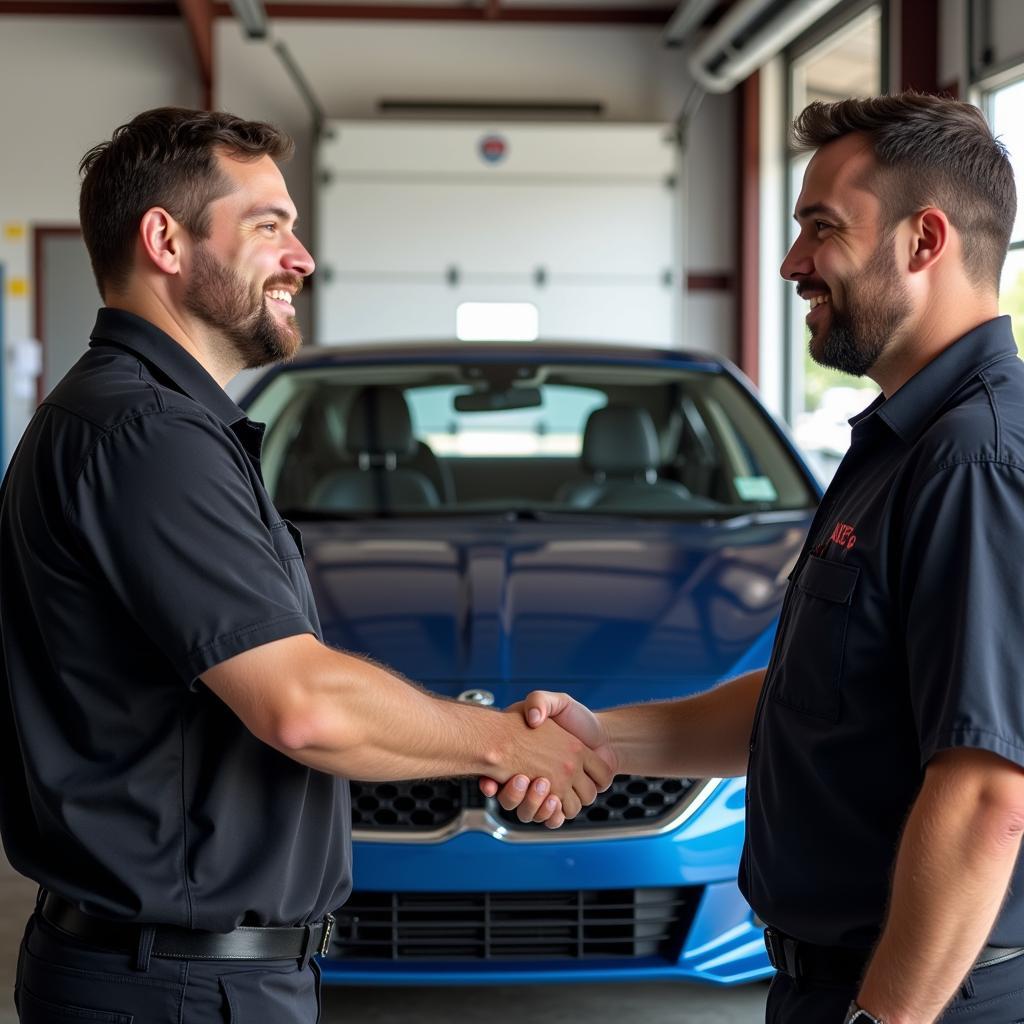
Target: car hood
x,y
626,609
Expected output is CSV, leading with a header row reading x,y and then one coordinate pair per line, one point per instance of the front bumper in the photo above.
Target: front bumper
x,y
721,941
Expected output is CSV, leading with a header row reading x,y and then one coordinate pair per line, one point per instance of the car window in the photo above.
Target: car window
x,y
594,439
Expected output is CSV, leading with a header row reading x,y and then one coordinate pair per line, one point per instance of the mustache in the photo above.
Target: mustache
x,y
812,286
290,281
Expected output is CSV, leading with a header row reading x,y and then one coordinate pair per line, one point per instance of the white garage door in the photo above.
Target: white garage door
x,y
580,221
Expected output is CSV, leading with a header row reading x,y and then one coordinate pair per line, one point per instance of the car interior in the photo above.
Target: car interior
x,y
574,438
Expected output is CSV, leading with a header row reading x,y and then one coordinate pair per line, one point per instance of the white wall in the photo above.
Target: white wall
x,y
65,84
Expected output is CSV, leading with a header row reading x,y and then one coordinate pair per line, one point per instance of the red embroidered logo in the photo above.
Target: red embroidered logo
x,y
844,536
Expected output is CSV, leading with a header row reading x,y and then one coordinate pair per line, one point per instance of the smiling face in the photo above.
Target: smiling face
x,y
244,276
844,261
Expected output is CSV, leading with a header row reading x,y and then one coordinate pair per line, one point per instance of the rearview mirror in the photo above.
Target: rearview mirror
x,y
497,401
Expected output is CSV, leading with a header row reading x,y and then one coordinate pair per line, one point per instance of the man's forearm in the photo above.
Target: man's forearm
x,y
955,859
348,716
702,736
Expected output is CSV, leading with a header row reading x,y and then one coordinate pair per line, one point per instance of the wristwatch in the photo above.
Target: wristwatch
x,y
856,1015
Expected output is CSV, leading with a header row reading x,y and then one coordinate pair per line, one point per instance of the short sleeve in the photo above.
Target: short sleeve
x,y
962,593
166,509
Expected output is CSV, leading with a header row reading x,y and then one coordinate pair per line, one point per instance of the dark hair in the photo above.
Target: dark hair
x,y
931,151
164,157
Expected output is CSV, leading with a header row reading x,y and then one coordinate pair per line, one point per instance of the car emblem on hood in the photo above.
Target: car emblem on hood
x,y
482,697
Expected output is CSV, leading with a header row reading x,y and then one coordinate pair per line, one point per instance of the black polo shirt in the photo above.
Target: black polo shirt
x,y
139,548
900,636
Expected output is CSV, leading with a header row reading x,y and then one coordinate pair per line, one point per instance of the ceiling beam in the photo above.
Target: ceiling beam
x,y
353,12
198,16
492,11
128,9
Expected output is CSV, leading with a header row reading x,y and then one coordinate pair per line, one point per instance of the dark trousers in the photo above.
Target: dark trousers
x,y
60,979
990,995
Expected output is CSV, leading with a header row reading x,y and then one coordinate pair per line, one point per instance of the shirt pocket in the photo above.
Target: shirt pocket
x,y
809,670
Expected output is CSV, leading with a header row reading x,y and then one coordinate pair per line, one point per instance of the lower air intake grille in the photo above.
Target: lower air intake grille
x,y
576,925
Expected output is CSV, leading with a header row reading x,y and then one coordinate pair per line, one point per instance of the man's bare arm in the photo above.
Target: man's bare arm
x,y
691,737
695,737
955,860
347,716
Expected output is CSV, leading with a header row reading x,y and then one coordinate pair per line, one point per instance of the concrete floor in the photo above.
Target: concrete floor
x,y
535,1004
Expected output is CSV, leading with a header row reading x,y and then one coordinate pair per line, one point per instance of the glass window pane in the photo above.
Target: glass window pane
x,y
1011,294
847,63
1007,112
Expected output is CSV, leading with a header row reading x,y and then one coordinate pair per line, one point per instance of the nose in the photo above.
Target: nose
x,y
798,262
297,259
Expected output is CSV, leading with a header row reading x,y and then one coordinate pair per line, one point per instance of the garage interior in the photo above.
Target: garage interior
x,y
586,170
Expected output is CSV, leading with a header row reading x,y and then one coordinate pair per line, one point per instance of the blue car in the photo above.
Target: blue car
x,y
488,519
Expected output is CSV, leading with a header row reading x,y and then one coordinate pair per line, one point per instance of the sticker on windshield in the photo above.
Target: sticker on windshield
x,y
755,488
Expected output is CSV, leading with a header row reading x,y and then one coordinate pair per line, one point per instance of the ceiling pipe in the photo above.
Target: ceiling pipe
x,y
689,15
749,35
252,16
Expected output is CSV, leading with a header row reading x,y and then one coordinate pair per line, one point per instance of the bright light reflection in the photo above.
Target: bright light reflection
x,y
497,321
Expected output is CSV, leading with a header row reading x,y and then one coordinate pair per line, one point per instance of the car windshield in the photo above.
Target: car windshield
x,y
403,438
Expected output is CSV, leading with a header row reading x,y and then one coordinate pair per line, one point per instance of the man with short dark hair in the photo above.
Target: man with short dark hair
x,y
884,743
174,734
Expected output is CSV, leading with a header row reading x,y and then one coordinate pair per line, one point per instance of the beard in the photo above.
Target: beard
x,y
876,306
219,297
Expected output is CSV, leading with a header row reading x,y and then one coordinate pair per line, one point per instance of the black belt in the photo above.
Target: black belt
x,y
836,965
174,943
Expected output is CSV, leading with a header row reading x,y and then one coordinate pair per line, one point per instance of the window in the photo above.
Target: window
x,y
553,428
1005,110
489,436
846,62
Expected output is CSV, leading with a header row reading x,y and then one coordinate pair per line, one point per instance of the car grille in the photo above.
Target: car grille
x,y
574,925
427,805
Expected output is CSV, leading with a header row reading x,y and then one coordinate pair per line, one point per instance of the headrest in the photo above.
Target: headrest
x,y
379,423
620,440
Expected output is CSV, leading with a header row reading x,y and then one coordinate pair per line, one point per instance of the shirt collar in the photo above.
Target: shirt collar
x,y
913,407
160,350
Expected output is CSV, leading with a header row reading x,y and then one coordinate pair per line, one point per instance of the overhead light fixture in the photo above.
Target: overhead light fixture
x,y
252,16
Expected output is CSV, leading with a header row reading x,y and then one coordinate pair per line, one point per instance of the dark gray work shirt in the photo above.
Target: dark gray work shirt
x,y
139,548
900,636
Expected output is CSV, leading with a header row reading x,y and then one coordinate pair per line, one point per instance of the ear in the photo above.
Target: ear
x,y
930,238
162,239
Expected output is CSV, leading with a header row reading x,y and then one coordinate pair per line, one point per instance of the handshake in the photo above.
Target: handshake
x,y
558,764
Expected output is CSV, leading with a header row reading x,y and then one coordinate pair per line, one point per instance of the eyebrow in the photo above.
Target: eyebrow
x,y
269,211
809,211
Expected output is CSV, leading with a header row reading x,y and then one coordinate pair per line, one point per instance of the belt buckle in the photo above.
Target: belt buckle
x,y
325,935
782,953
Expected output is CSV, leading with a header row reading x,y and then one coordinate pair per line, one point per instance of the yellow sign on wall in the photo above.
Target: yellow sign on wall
x,y
14,232
17,287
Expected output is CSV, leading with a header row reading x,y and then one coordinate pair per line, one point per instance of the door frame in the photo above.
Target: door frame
x,y
40,234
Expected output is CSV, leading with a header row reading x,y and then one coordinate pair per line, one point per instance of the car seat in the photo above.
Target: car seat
x,y
380,442
620,452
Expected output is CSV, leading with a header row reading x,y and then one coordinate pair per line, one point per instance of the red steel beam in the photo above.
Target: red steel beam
x,y
749,226
198,15
129,9
358,12
919,45
414,12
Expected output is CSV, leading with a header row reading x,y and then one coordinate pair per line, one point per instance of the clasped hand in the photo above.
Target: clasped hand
x,y
553,795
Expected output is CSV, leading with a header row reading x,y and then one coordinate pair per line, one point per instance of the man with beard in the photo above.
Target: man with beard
x,y
884,743
174,733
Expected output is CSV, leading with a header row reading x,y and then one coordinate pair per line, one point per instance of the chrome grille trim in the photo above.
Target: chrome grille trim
x,y
482,820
